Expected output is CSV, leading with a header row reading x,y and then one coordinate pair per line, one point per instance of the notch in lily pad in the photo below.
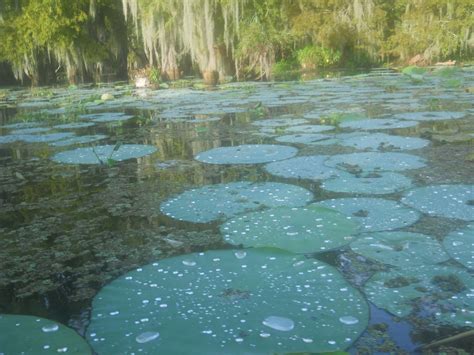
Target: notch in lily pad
x,y
22,334
230,301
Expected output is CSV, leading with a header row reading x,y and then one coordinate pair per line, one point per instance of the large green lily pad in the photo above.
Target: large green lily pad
x,y
280,122
301,138
232,301
307,167
310,128
375,161
247,154
103,154
431,115
383,142
373,183
374,214
33,335
451,201
219,201
444,291
460,245
400,248
299,230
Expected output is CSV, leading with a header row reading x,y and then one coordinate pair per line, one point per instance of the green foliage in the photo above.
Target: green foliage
x,y
312,57
285,69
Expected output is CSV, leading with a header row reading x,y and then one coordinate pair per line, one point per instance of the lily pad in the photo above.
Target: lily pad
x,y
431,115
44,138
247,154
460,245
103,154
233,302
299,230
34,335
375,161
214,202
280,122
378,123
78,140
445,291
74,125
451,201
374,214
372,183
382,141
307,167
310,128
400,248
32,130
106,117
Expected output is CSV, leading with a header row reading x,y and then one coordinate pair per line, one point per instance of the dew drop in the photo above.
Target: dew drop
x,y
306,340
240,254
189,263
279,323
264,335
349,320
146,337
62,350
50,328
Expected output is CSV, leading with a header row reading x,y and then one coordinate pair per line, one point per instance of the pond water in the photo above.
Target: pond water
x,y
322,215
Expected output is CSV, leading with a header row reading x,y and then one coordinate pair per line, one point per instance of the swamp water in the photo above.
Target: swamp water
x,y
316,216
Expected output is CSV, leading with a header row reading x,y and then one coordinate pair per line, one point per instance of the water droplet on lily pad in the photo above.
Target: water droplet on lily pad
x,y
247,154
146,337
348,320
232,302
219,201
50,328
279,323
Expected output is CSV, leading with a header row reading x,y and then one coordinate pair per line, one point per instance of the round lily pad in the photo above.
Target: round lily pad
x,y
375,161
310,128
443,291
233,302
299,230
431,115
214,202
307,167
32,130
460,245
373,183
33,335
78,140
374,214
400,248
74,125
451,201
382,141
44,138
378,123
247,154
301,138
280,122
103,154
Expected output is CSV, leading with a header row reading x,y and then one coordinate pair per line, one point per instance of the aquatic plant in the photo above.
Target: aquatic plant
x,y
213,202
305,167
460,245
373,214
235,301
299,230
247,154
34,335
451,201
400,248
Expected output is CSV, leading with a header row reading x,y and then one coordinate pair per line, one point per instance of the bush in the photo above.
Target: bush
x,y
285,69
313,57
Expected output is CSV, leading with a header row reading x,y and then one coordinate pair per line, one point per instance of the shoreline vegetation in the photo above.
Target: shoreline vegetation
x,y
47,42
